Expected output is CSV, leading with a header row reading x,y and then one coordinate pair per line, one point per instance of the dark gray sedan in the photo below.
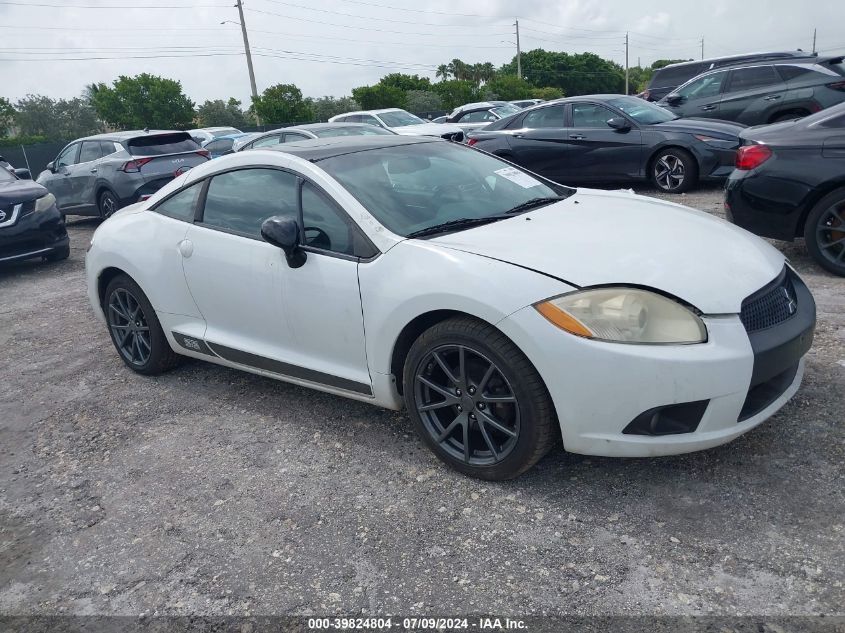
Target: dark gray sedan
x,y
309,131
613,138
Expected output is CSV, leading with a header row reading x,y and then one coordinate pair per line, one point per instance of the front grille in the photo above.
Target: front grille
x,y
770,306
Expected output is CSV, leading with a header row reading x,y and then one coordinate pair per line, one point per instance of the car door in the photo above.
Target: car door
x,y
597,152
83,176
540,142
699,98
751,93
59,183
302,323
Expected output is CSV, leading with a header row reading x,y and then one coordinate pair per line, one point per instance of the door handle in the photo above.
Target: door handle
x,y
772,98
93,170
519,135
577,137
186,248
708,107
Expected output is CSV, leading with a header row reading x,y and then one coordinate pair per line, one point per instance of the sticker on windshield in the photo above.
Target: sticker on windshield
x,y
519,177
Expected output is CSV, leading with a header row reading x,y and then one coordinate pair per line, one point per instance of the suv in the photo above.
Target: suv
x,y
666,79
98,175
756,94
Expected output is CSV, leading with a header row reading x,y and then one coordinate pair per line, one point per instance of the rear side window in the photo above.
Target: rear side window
x,y
239,201
551,116
109,147
754,77
268,141
791,72
161,144
91,150
666,77
182,205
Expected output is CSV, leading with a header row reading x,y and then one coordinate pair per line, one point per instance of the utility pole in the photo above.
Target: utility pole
x,y
240,6
702,47
518,51
626,62
814,41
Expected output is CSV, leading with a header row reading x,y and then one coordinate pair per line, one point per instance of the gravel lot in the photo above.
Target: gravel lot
x,y
216,492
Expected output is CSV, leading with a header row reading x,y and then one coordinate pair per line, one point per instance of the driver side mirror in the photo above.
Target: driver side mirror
x,y
283,231
674,99
618,123
51,167
23,173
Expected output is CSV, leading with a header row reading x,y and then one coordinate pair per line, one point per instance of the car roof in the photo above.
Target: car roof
x,y
123,136
373,111
315,150
746,57
766,62
480,105
325,126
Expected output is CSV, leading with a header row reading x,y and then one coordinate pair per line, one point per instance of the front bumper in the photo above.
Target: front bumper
x,y
33,234
599,388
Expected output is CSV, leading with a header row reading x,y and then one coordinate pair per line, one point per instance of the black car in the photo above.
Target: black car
x,y
30,223
790,182
666,79
760,93
613,138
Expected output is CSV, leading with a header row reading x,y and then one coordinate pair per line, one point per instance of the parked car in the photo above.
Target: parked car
x,y
396,270
401,122
474,116
312,131
31,225
790,182
440,119
97,175
206,134
225,144
526,103
613,138
762,93
666,79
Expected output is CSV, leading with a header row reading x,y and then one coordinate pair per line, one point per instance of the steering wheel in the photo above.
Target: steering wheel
x,y
321,240
441,191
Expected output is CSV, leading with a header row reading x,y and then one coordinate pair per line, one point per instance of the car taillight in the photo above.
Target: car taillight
x,y
837,85
145,197
472,141
135,165
204,152
752,156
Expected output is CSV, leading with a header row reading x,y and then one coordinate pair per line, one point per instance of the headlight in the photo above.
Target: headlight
x,y
624,315
45,202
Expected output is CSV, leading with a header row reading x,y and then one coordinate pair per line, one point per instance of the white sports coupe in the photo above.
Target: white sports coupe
x,y
505,311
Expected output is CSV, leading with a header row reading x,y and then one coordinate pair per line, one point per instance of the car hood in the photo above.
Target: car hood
x,y
20,191
601,237
427,129
709,126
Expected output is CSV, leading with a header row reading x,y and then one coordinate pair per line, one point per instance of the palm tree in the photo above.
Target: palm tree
x,y
488,72
443,72
459,70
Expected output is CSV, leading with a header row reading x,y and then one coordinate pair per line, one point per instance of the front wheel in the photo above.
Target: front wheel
x,y
824,232
477,401
674,170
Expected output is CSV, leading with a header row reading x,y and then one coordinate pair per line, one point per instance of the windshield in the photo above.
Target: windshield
x,y
409,188
225,132
399,118
505,110
351,130
642,111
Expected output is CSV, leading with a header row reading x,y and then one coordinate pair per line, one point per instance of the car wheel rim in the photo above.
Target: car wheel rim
x,y
669,172
467,405
830,233
129,327
108,206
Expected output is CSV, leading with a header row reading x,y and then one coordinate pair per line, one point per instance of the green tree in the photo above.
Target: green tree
x,y
7,116
405,82
546,94
455,92
660,63
282,103
443,72
221,113
380,96
575,74
423,101
324,108
143,101
508,87
60,119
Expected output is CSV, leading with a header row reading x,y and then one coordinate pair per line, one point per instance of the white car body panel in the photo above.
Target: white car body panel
x,y
427,129
338,317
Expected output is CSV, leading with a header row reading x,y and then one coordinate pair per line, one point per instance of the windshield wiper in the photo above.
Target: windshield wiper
x,y
534,203
456,225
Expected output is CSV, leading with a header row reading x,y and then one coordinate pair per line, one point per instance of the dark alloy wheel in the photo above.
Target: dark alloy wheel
x,y
824,232
135,329
477,401
674,171
108,204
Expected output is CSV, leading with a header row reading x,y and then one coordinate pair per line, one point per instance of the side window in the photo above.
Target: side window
x,y
68,157
181,205
371,120
241,200
791,72
290,137
709,86
108,148
220,146
477,117
549,117
325,227
590,115
90,151
750,78
268,141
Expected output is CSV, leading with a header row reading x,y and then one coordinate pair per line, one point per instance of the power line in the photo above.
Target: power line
x,y
111,6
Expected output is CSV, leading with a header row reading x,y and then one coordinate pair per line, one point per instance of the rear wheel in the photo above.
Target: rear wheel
x,y
59,254
824,232
674,170
135,329
477,401
107,204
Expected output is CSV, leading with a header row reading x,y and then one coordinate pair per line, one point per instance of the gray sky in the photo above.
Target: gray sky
x,y
305,41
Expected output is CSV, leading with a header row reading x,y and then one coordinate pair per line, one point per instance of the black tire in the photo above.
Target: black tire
x,y
823,235
531,415
673,170
107,203
155,354
58,254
